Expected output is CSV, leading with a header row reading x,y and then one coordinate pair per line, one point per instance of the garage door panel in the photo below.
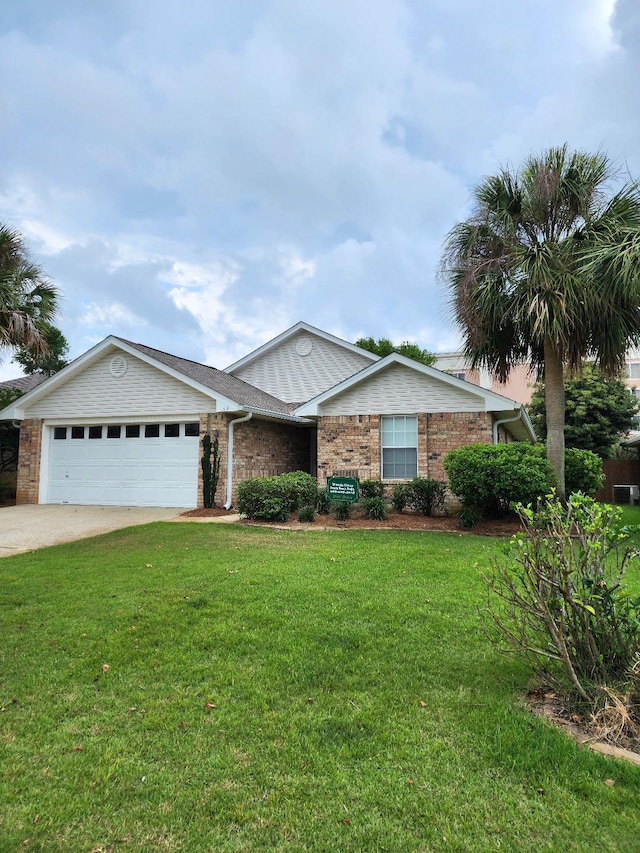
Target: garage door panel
x,y
124,471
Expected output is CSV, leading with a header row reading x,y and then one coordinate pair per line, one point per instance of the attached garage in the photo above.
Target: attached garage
x,y
122,426
122,464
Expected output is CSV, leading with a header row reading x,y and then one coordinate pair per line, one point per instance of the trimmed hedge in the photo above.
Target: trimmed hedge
x,y
424,495
492,477
275,498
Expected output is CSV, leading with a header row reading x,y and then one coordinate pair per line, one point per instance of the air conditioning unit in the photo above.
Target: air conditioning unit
x,y
626,494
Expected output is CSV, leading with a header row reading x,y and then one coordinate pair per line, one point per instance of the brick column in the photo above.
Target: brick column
x,y
29,454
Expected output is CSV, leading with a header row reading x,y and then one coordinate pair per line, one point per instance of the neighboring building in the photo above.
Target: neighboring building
x,y
122,424
633,379
519,385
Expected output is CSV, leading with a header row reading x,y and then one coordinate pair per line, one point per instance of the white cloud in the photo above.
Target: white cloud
x,y
211,178
111,315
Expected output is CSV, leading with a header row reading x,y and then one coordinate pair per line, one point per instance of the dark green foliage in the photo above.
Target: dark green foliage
x,y
371,489
49,362
28,300
341,510
275,498
383,346
425,495
306,513
492,477
210,462
322,504
9,434
399,497
375,508
469,517
583,471
560,601
598,412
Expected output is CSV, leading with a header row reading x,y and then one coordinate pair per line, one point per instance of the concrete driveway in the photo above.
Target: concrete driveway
x,y
25,528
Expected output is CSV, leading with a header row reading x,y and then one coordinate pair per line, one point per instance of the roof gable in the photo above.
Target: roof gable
x,y
397,384
301,363
228,392
295,330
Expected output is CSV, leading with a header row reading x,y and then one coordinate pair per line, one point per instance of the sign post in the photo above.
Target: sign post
x,y
343,489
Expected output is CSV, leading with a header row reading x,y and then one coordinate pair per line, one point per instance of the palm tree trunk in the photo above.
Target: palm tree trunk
x,y
554,409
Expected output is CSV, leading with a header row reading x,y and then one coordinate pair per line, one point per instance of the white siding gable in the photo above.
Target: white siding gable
x,y
142,390
401,390
294,375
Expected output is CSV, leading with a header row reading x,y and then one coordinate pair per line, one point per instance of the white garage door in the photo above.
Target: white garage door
x,y
124,465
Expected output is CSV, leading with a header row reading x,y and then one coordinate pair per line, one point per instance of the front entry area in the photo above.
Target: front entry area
x,y
123,464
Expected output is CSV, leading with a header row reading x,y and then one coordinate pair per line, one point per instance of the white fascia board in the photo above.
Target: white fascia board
x,y
522,428
299,327
488,400
281,417
17,409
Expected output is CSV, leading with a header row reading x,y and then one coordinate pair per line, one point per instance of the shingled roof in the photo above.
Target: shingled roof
x,y
24,383
236,389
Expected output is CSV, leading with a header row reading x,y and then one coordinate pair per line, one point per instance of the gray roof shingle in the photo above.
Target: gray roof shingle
x,y
24,383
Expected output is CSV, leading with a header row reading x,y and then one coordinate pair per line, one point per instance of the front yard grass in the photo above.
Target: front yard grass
x,y
222,688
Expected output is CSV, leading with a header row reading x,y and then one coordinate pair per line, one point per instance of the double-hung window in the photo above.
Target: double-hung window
x,y
399,447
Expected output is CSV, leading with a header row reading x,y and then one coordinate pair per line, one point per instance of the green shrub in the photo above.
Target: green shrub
x,y
371,489
560,600
300,487
375,508
583,471
322,503
306,513
275,498
341,510
425,496
400,497
492,477
469,517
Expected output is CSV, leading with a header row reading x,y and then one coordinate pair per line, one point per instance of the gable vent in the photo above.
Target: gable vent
x,y
118,366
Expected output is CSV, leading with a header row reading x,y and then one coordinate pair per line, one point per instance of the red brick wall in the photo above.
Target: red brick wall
x,y
260,449
349,445
264,448
28,483
447,431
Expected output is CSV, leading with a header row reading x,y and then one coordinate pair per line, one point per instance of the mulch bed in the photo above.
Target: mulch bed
x,y
215,512
394,521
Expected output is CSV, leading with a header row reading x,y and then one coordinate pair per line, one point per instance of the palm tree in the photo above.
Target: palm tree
x,y
28,300
547,270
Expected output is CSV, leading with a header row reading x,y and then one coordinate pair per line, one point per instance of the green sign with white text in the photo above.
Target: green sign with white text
x,y
343,489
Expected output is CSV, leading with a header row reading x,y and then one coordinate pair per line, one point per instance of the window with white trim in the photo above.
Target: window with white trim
x,y
399,440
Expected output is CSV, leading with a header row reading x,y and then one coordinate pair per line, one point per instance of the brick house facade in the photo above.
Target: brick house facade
x,y
83,429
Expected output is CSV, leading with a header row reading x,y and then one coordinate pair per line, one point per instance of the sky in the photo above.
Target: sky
x,y
200,176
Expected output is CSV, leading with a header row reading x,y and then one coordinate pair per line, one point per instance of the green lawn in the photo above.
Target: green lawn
x,y
279,691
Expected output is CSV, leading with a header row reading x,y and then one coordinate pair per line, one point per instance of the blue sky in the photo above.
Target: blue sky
x,y
200,176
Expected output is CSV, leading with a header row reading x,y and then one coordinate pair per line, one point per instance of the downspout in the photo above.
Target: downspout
x,y
496,424
241,420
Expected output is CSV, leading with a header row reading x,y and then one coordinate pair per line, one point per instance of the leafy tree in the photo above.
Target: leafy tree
x,y
598,411
9,435
547,269
383,346
49,362
28,300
